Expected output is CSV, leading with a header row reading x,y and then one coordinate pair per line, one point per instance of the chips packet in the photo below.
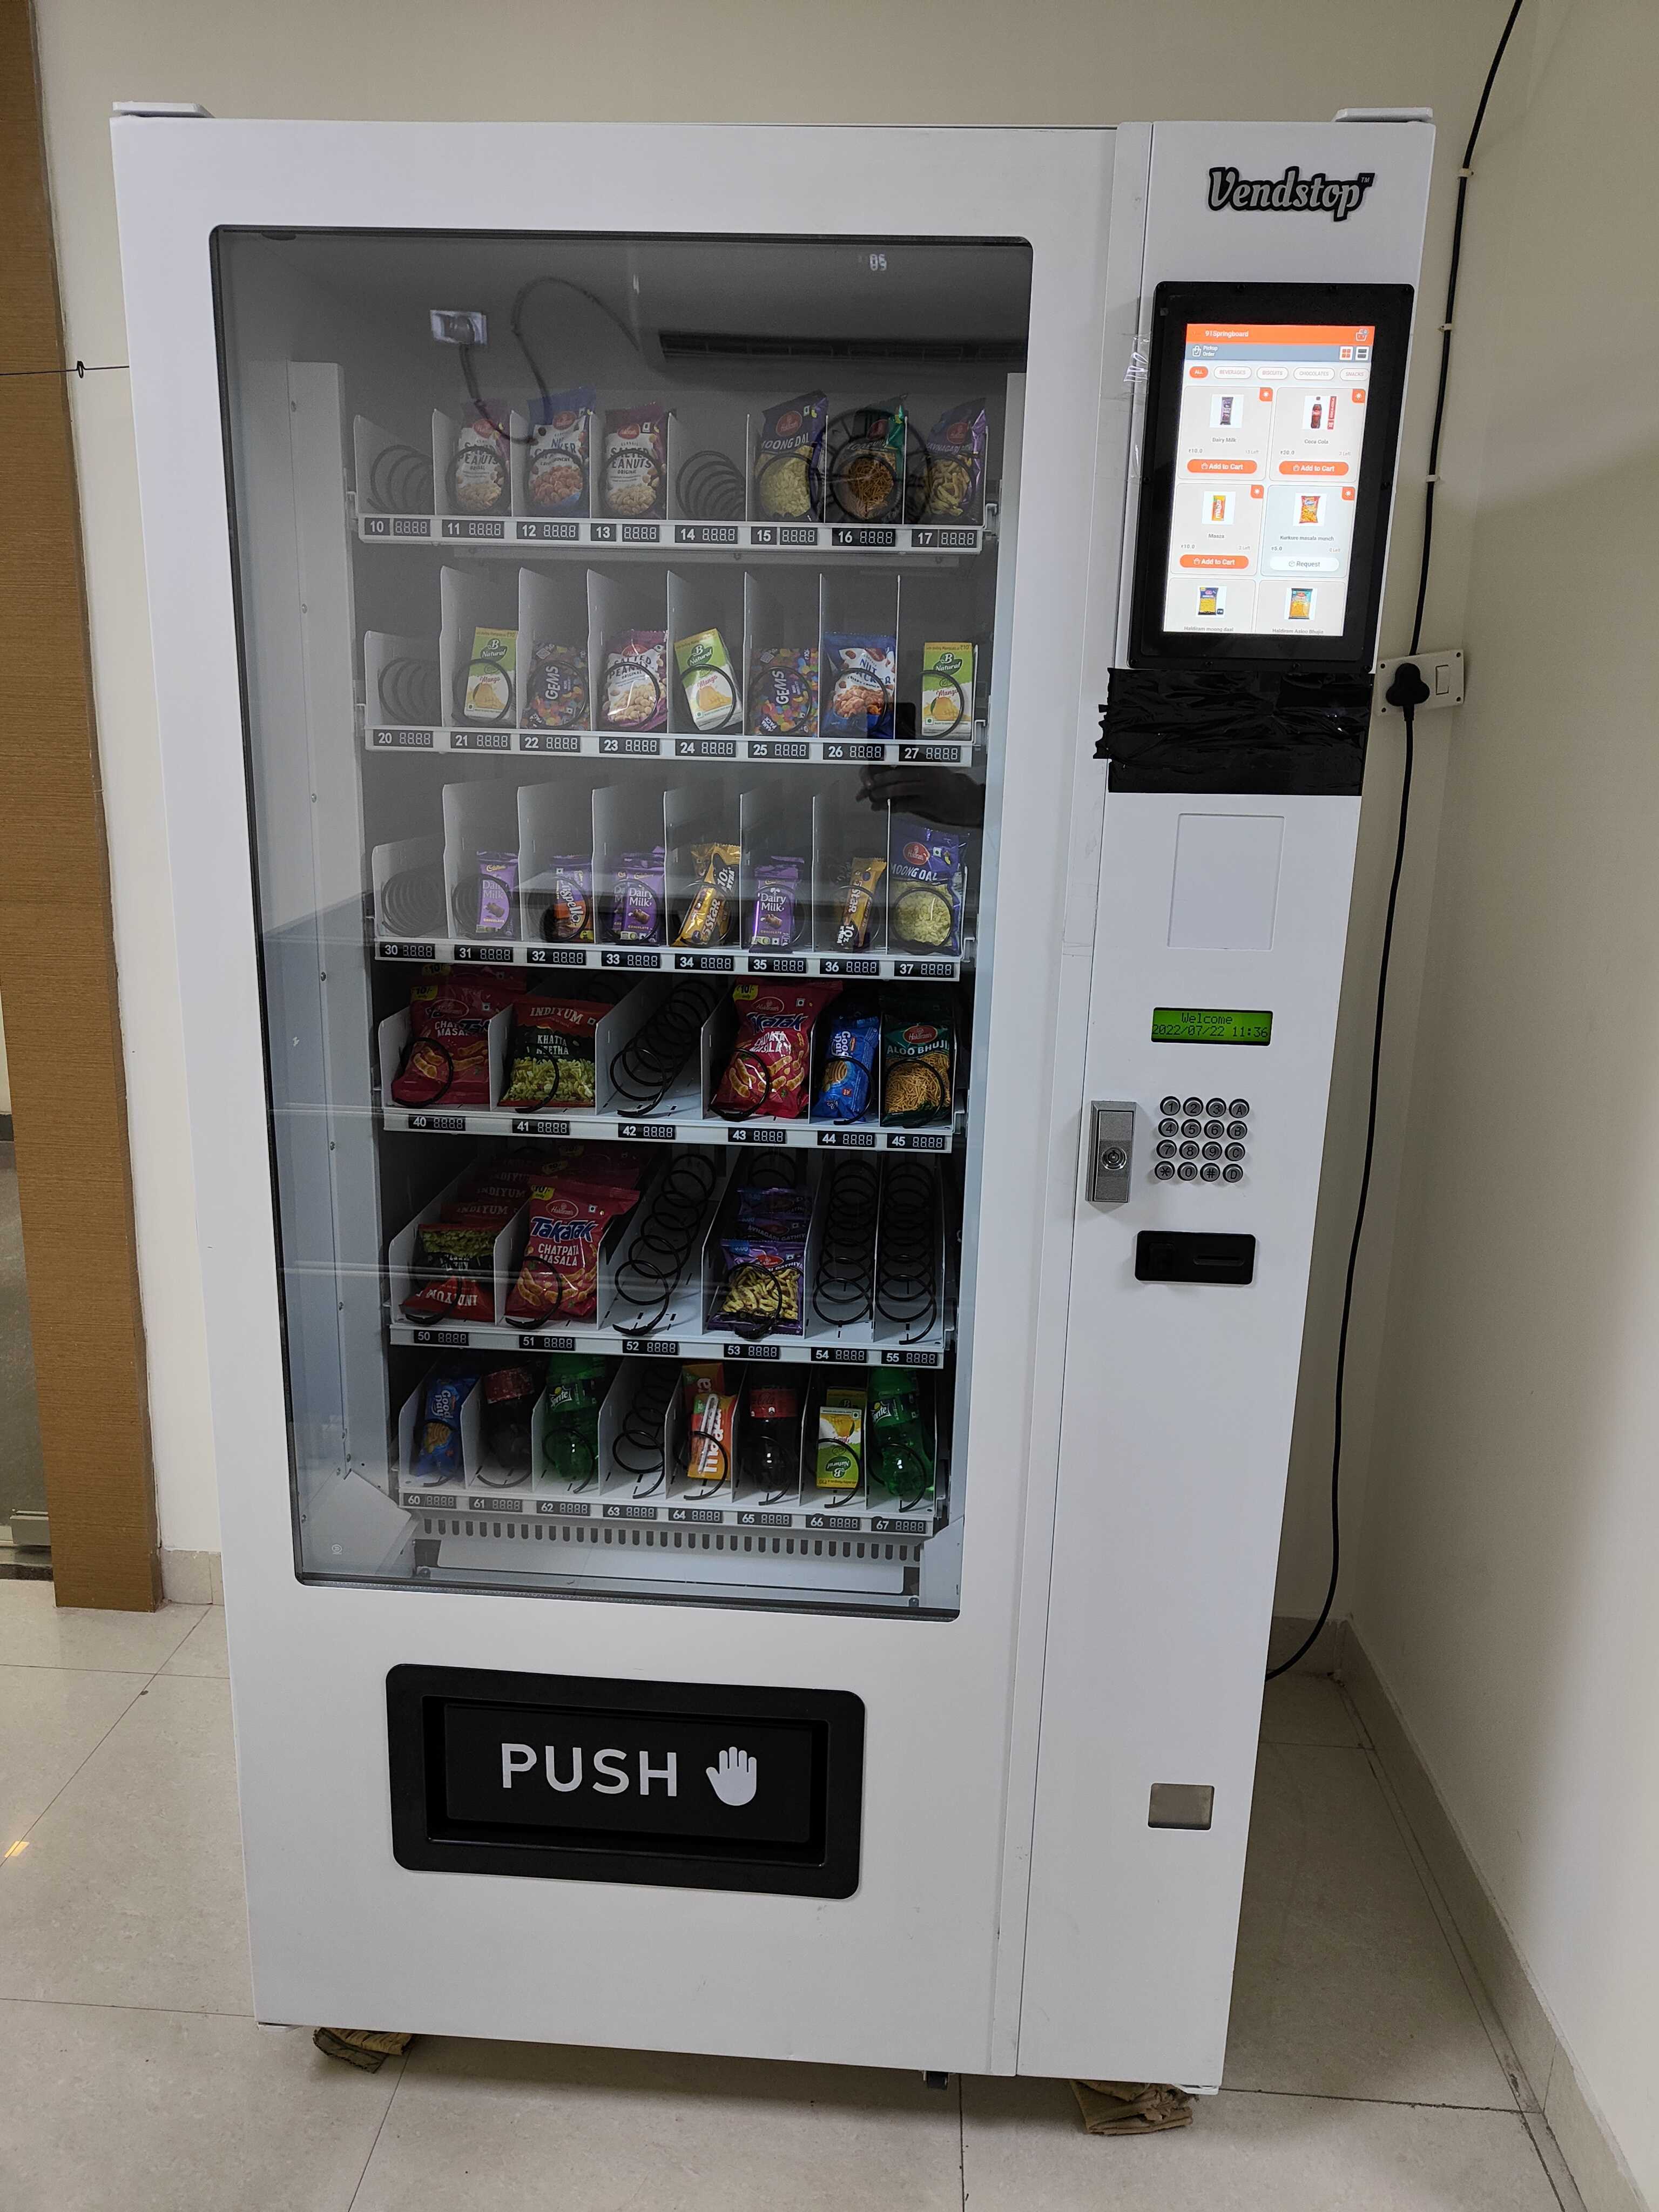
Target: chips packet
x,y
710,680
760,1294
928,888
636,898
866,464
947,690
860,678
774,919
479,481
952,483
452,1272
783,691
634,463
556,469
767,1073
846,1078
634,691
558,1278
550,1059
487,692
707,919
789,459
858,910
437,1454
556,689
447,1055
917,1048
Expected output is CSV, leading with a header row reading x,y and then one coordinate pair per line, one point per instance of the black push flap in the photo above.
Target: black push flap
x,y
585,1778
1194,1256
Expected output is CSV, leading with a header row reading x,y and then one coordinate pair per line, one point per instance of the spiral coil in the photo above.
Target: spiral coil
x,y
907,1290
400,480
409,690
413,901
842,1282
660,1249
638,1449
643,1072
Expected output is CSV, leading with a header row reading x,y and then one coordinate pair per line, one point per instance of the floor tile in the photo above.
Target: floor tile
x,y
202,1651
35,1632
479,2127
131,1889
116,2111
50,1720
1345,1985
1307,1709
1025,2150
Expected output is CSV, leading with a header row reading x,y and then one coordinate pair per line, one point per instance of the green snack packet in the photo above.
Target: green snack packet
x,y
488,690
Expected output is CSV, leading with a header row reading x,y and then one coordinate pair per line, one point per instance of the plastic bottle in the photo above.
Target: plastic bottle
x,y
771,1457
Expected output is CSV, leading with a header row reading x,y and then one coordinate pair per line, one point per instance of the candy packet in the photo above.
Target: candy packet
x,y
570,919
783,691
859,676
928,886
479,481
952,481
556,689
497,889
707,919
767,1072
847,1078
858,908
773,919
636,898
635,480
555,468
866,464
633,692
437,1454
789,459
917,1046
709,678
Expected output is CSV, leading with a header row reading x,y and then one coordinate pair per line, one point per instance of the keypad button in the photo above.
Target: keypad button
x,y
1189,1150
1233,1152
1215,1105
1209,1172
1213,1128
1166,1151
1165,1171
1212,1152
1238,1105
1192,1128
1232,1175
1192,1105
1188,1171
1238,1128
1167,1127
1169,1105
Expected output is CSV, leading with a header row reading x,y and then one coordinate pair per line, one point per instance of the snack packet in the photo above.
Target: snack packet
x,y
571,915
479,483
767,1073
846,1080
452,1274
840,1462
947,690
707,919
953,480
551,1057
860,679
556,689
789,459
760,1294
509,1399
636,899
487,692
447,1055
713,1414
558,1278
635,463
858,910
711,684
634,691
928,886
783,691
773,922
556,469
866,464
916,1051
437,1454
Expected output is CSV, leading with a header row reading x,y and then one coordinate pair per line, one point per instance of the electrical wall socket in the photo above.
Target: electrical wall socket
x,y
1442,671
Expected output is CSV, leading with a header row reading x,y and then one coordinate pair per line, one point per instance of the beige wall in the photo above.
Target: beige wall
x,y
1068,61
1509,1589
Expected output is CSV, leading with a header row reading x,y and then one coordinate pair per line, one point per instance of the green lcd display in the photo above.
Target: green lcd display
x,y
1212,1025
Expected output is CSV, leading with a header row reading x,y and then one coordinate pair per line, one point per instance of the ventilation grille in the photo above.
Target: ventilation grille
x,y
623,1537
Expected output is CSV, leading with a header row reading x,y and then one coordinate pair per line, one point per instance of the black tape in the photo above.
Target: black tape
x,y
1230,729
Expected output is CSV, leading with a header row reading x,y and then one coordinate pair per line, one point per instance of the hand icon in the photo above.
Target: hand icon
x,y
737,1777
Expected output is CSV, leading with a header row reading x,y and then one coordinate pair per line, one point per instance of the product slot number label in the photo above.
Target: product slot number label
x,y
432,1504
450,1123
834,965
705,748
844,749
879,1527
941,970
834,1521
552,956
720,963
847,1141
609,959
946,755
776,964
867,536
763,1519
642,748
549,533
549,741
839,1355
663,1131
442,1336
397,948
481,741
705,533
494,1506
564,1509
454,528
547,1344
630,1512
783,533
741,1351
945,541
666,1347
492,956
778,748
908,1141
401,741
692,1513
750,1133
912,1359
533,1125
397,526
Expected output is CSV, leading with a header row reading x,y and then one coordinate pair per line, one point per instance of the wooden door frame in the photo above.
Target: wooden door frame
x,y
57,976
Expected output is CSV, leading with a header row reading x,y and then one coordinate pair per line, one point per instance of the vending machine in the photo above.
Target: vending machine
x,y
762,734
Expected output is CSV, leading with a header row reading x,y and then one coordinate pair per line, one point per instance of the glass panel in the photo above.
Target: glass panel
x,y
618,748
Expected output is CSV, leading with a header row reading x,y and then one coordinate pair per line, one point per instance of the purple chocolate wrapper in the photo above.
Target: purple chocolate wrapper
x,y
772,924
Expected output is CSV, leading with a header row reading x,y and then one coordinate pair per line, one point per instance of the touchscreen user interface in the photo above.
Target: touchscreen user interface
x,y
1267,475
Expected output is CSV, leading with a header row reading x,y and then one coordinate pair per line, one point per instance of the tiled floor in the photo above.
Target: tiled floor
x,y
1360,2074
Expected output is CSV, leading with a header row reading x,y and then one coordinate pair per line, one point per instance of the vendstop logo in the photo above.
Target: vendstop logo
x,y
1292,193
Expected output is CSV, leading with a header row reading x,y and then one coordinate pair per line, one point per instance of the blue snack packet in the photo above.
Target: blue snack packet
x,y
438,1433
860,681
848,1074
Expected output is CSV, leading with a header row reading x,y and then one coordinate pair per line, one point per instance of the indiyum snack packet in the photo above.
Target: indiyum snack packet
x,y
783,691
710,682
928,886
860,678
788,460
635,482
953,480
551,1057
479,483
556,470
634,695
451,1275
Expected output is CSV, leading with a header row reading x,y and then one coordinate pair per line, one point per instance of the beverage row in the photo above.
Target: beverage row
x,y
778,654
770,869
577,1433
513,1045
581,454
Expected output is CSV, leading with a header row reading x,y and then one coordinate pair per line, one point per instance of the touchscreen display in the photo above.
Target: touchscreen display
x,y
1266,477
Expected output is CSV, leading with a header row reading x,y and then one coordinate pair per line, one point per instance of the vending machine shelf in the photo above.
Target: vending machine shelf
x,y
605,745
685,1129
870,967
515,534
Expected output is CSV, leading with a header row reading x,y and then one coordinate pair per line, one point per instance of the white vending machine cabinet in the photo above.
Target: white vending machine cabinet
x,y
754,1158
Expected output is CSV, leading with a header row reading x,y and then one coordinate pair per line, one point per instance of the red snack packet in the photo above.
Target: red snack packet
x,y
771,1054
447,1056
452,1274
559,1277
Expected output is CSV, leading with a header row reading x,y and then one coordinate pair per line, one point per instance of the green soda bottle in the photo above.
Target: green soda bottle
x,y
570,1431
902,1451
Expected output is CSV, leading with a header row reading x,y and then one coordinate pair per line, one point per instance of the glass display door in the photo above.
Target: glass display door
x,y
626,883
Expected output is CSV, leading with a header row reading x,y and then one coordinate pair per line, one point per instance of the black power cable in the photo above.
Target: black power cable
x,y
1407,692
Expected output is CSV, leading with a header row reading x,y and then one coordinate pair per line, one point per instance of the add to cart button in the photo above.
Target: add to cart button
x,y
1215,560
1313,468
1224,468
